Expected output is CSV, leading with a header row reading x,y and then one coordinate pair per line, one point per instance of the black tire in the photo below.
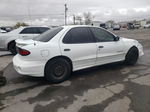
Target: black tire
x,y
57,70
12,48
132,56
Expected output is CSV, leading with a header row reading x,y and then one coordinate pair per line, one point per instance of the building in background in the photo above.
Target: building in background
x,y
143,22
148,22
96,23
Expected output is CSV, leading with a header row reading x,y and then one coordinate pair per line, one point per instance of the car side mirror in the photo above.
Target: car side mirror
x,y
116,38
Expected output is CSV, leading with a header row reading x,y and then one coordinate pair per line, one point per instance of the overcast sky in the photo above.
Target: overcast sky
x,y
51,12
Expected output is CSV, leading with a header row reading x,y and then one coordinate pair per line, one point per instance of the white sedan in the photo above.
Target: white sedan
x,y
58,52
7,40
147,26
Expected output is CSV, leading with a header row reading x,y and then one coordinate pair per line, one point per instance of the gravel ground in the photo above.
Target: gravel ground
x,y
5,59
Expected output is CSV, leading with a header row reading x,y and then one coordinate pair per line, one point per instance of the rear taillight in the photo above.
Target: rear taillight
x,y
23,52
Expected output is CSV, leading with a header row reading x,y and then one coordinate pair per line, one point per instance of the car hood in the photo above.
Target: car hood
x,y
11,33
127,40
6,35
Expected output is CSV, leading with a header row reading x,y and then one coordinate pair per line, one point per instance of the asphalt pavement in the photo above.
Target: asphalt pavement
x,y
108,88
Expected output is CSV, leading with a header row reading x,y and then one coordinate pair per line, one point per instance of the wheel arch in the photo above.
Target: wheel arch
x,y
132,47
132,55
61,56
9,44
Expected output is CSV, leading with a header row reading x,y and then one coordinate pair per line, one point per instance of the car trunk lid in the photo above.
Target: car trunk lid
x,y
21,42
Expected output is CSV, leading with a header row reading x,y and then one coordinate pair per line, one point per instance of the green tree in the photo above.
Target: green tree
x,y
18,24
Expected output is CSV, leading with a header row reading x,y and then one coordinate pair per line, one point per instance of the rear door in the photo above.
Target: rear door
x,y
108,49
79,45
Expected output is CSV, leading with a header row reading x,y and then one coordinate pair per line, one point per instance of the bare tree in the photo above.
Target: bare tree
x,y
110,23
88,18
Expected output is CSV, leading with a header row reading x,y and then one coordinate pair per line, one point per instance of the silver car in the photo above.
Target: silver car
x,y
7,40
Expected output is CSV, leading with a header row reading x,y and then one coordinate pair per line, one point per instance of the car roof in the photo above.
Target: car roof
x,y
36,26
75,26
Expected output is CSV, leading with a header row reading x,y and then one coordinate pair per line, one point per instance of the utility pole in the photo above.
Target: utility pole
x,y
74,19
79,19
66,9
29,14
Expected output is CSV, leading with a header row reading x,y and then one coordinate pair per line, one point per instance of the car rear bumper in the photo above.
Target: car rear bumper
x,y
30,68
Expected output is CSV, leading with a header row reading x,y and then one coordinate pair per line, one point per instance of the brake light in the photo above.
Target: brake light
x,y
23,52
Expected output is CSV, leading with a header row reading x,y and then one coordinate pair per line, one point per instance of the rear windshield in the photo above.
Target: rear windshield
x,y
48,35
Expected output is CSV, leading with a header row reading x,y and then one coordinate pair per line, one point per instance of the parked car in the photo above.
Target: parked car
x,y
147,26
136,26
103,25
7,28
116,27
130,26
3,31
7,40
59,51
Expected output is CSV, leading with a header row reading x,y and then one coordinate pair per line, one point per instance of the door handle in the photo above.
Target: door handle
x,y
100,46
66,49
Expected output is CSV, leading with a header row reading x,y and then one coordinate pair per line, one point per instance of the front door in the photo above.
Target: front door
x,y
108,49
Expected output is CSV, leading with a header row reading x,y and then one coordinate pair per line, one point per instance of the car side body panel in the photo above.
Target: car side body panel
x,y
111,52
82,56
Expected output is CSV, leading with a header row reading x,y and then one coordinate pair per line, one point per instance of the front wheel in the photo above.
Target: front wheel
x,y
57,70
132,56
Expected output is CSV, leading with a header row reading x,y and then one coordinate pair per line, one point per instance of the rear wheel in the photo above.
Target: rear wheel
x,y
57,70
12,48
132,56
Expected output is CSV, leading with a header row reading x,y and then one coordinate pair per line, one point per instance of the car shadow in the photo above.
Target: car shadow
x,y
88,72
102,69
6,55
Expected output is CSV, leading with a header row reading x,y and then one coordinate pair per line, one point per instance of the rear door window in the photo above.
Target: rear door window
x,y
78,35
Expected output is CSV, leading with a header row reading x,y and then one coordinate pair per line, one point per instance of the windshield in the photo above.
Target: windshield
x,y
48,35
